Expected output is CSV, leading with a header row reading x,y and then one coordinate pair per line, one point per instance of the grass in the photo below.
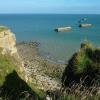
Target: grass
x,y
77,91
12,81
81,78
2,28
84,63
6,67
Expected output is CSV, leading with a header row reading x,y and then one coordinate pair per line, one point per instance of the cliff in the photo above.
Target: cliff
x,y
7,41
84,66
14,82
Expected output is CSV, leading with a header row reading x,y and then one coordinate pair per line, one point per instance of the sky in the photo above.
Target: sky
x,y
50,6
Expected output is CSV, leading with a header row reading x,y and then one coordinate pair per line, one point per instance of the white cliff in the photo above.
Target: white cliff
x,y
7,41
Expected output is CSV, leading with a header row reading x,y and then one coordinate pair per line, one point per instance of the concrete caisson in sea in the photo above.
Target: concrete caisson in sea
x,y
85,25
63,29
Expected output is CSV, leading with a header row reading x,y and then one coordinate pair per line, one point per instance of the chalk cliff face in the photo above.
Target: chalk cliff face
x,y
7,41
8,46
13,76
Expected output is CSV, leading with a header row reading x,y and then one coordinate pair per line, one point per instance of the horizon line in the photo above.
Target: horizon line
x,y
56,13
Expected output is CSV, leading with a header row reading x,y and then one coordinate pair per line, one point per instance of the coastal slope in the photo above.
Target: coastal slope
x,y
14,82
23,70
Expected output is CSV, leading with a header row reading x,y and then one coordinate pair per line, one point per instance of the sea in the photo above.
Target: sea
x,y
54,46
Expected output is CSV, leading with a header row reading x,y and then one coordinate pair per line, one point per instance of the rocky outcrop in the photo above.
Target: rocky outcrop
x,y
84,66
7,41
27,74
14,81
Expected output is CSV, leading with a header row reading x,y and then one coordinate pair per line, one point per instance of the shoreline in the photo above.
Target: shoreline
x,y
44,73
48,57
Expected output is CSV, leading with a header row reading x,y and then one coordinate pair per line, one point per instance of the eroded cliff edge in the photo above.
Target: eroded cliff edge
x,y
14,82
7,41
23,70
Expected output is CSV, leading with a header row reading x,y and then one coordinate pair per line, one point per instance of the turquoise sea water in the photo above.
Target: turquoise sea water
x,y
53,45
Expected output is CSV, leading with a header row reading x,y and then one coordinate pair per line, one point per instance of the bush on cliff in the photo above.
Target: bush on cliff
x,y
83,66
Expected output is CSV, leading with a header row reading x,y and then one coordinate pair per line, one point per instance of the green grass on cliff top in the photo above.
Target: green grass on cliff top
x,y
3,28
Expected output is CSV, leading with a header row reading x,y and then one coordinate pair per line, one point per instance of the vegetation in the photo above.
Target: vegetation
x,y
3,28
76,92
12,83
80,80
84,65
6,67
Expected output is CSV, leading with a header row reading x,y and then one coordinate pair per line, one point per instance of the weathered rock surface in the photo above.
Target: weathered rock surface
x,y
43,73
7,41
14,81
27,72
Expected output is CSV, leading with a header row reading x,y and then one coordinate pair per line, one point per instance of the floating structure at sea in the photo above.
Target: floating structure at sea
x,y
63,29
85,25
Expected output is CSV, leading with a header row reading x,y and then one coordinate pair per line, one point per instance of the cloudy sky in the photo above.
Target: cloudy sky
x,y
50,6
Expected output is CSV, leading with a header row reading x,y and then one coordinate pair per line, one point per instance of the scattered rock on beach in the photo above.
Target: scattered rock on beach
x,y
42,71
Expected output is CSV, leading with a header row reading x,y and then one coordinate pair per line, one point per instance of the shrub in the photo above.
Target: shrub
x,y
84,65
